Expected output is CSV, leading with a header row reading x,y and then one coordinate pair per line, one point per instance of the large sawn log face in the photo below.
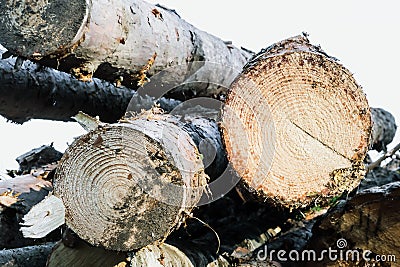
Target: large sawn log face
x,y
303,124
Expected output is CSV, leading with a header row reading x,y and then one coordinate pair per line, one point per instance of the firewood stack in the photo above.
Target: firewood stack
x,y
201,153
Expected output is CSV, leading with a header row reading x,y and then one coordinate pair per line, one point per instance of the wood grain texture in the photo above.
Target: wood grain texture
x,y
127,185
297,125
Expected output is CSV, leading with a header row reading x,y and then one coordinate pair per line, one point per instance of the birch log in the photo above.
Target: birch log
x,y
303,126
117,40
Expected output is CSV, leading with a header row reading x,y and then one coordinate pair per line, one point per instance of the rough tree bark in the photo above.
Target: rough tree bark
x,y
118,41
369,221
135,184
37,158
296,125
35,92
26,256
383,129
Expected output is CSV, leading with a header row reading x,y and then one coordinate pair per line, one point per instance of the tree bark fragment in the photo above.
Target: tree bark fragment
x,y
17,196
37,92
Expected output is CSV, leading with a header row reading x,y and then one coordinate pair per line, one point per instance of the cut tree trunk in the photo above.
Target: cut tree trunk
x,y
296,125
383,129
119,40
370,221
35,92
127,185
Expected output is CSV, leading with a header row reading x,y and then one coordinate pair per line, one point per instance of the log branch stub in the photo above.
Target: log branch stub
x,y
127,185
303,124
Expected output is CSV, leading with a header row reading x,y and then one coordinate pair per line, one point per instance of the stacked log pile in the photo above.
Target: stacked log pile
x,y
277,139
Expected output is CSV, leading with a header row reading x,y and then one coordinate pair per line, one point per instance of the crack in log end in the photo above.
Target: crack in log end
x,y
319,141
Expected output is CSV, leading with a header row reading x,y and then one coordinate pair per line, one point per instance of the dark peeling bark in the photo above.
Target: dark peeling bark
x,y
43,93
26,256
37,158
114,39
37,92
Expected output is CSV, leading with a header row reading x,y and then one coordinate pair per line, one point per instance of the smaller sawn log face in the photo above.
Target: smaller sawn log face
x,y
127,185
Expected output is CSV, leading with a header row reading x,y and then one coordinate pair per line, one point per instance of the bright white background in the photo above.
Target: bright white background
x,y
363,35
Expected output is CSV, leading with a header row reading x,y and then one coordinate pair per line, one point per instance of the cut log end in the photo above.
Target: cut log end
x,y
49,25
303,124
123,185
